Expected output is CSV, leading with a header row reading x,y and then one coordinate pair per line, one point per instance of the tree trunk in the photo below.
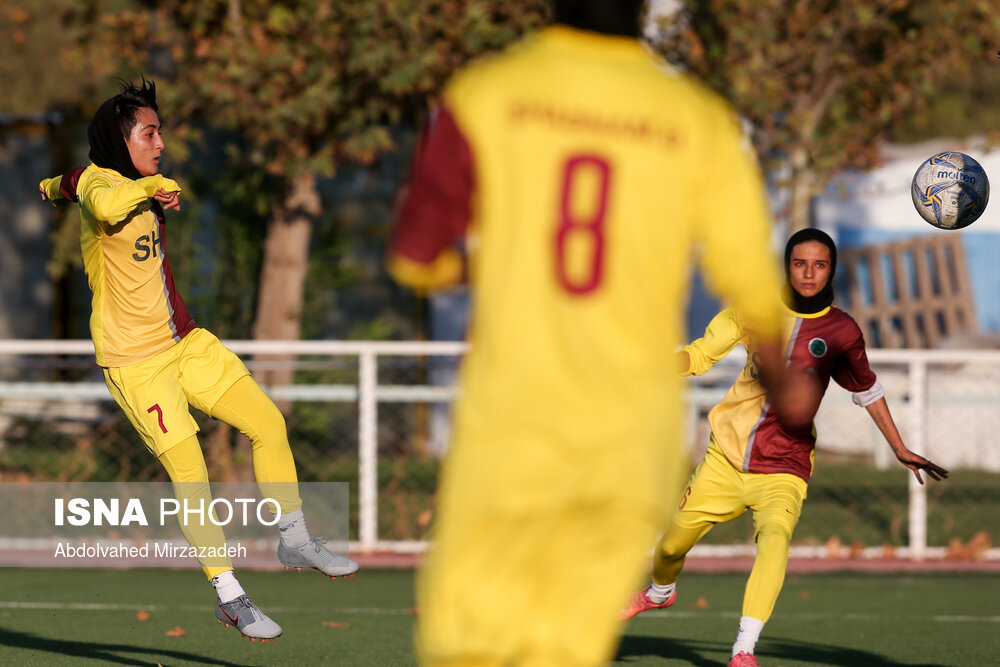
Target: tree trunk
x,y
282,280
800,204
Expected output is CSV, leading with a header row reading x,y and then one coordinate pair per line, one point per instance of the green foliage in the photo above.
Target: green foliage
x,y
308,87
44,63
314,83
830,79
40,449
960,106
216,266
348,293
319,85
302,88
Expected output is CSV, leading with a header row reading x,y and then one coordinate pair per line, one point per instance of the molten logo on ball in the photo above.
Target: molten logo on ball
x,y
950,190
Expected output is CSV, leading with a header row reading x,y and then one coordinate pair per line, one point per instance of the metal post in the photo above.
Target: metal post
x,y
917,443
367,451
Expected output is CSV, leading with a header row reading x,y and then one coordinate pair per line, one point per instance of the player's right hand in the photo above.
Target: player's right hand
x,y
168,199
41,191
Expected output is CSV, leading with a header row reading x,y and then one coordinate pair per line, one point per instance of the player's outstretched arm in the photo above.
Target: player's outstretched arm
x,y
722,334
111,200
62,187
879,411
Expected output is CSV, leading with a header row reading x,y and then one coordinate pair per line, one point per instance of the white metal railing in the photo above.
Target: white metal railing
x,y
368,394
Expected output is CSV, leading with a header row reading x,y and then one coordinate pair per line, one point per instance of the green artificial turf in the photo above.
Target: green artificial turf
x,y
88,617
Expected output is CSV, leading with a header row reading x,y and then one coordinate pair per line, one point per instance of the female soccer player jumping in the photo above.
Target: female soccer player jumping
x,y
157,362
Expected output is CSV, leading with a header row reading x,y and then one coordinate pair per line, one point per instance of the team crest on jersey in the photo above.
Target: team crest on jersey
x,y
817,347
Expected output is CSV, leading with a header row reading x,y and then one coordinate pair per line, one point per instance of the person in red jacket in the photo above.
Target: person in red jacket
x,y
568,172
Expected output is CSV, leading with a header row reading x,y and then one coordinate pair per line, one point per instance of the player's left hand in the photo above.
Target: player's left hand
x,y
916,463
168,199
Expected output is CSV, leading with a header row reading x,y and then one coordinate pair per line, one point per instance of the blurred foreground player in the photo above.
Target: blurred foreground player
x,y
753,460
582,174
157,362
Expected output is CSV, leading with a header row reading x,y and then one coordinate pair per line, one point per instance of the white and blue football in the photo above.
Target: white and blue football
x,y
950,190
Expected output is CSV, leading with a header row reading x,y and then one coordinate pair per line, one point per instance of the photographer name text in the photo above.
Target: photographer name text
x,y
159,550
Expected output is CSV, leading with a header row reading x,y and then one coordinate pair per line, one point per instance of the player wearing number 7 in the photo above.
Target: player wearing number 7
x,y
753,460
582,175
156,362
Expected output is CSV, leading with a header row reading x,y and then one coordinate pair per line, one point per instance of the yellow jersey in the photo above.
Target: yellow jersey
x,y
827,344
582,214
136,310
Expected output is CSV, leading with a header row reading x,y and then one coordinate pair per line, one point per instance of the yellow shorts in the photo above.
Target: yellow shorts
x,y
537,546
719,492
155,393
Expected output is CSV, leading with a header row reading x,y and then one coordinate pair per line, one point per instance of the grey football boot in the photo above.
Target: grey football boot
x,y
314,554
246,617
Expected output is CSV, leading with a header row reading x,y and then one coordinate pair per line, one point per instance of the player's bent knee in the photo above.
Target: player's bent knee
x,y
774,537
268,426
671,551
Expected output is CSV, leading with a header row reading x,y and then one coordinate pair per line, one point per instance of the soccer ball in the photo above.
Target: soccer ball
x,y
950,190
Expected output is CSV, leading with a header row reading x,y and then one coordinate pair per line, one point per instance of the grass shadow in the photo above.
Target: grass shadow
x,y
695,653
110,653
634,648
825,654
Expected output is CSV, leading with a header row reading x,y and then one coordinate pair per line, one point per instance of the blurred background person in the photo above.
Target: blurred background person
x,y
582,175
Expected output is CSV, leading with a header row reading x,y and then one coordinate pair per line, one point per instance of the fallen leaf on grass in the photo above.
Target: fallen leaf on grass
x,y
178,631
143,615
701,603
335,624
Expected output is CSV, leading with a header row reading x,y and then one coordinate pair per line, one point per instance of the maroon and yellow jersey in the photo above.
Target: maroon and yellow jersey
x,y
136,310
827,344
582,206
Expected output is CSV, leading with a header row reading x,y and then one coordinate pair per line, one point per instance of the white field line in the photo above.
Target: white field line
x,y
389,611
100,606
818,616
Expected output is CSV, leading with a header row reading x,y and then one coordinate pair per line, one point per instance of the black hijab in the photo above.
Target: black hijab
x,y
107,145
823,298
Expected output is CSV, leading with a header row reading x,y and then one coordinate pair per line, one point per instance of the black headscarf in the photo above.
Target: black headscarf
x,y
620,17
823,298
107,145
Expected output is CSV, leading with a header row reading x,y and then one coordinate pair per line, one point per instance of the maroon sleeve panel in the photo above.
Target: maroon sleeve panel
x,y
437,207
